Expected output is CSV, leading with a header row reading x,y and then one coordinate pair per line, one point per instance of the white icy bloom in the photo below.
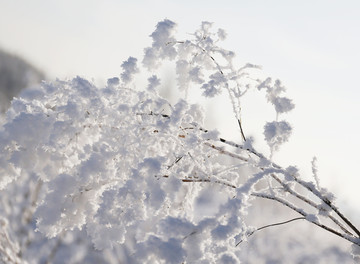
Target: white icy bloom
x,y
162,46
206,26
204,31
150,60
315,172
125,175
251,66
248,144
273,91
278,88
129,69
187,50
221,34
111,162
292,172
282,104
214,85
154,82
162,34
196,75
197,112
182,71
277,133
113,81
186,73
266,84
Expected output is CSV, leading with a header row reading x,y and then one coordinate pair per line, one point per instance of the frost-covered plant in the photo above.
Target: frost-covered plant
x,y
133,170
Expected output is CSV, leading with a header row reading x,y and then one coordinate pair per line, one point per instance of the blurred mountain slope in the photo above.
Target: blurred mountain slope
x,y
16,74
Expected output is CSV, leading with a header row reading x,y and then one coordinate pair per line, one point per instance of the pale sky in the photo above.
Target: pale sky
x,y
312,46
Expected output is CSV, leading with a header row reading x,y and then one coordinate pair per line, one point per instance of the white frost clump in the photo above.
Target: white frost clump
x,y
214,85
273,91
154,82
160,48
139,179
277,133
186,74
113,162
129,69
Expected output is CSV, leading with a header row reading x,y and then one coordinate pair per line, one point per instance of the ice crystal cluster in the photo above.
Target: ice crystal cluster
x,y
121,169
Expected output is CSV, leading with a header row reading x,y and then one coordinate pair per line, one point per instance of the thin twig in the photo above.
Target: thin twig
x,y
176,161
209,180
153,114
233,144
306,200
202,49
305,185
328,203
300,182
228,153
352,239
271,225
231,93
241,130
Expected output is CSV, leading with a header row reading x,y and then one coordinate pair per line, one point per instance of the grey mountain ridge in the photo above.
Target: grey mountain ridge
x,y
16,74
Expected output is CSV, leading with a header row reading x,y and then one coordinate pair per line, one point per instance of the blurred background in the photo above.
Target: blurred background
x,y
312,46
15,75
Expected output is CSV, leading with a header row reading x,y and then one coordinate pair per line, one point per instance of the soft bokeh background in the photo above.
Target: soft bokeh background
x,y
312,46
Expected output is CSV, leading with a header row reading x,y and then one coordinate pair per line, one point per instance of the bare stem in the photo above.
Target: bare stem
x,y
271,225
305,185
327,202
241,130
306,200
352,239
228,153
209,180
285,186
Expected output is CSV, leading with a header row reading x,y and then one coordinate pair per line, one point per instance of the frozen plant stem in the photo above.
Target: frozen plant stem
x,y
297,195
350,238
232,96
129,168
271,225
329,203
284,185
303,184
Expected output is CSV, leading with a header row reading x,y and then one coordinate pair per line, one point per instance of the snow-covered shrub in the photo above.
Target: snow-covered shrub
x,y
122,169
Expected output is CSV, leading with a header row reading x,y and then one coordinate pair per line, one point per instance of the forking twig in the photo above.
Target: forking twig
x,y
346,235
237,113
350,238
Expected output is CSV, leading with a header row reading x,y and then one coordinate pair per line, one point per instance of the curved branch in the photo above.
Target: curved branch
x,y
299,181
271,225
328,203
352,239
309,202
305,185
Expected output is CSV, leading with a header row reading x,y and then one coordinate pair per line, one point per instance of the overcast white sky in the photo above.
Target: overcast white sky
x,y
312,46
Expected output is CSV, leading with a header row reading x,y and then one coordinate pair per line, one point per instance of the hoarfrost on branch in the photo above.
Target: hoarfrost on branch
x,y
131,169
